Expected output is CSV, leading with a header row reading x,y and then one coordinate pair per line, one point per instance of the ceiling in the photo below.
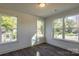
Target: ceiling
x,y
34,9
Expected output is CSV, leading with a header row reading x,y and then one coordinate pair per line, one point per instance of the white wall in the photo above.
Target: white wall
x,y
26,29
61,43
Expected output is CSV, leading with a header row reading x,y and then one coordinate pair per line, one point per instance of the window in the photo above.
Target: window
x,y
66,28
71,28
40,28
40,32
8,29
58,29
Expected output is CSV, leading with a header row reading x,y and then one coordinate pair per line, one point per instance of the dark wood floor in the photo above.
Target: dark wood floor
x,y
41,50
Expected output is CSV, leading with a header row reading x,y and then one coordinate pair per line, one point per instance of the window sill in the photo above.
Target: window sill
x,y
67,40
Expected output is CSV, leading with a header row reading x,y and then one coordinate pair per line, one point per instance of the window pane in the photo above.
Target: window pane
x,y
71,28
8,29
58,28
40,28
40,32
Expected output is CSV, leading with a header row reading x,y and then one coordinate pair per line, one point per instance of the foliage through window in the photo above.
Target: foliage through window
x,y
71,28
66,28
40,28
40,31
8,29
58,28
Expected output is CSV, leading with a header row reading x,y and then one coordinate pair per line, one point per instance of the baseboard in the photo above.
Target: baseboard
x,y
13,50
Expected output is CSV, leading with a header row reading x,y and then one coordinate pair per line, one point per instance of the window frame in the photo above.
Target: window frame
x,y
63,36
39,19
6,14
53,29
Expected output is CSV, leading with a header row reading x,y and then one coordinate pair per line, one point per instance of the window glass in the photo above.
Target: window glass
x,y
40,28
71,28
66,28
8,28
58,28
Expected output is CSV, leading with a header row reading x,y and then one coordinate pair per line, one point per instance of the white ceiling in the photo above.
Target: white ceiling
x,y
34,9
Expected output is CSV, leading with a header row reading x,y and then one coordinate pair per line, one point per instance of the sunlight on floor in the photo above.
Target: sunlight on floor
x,y
76,50
33,41
37,53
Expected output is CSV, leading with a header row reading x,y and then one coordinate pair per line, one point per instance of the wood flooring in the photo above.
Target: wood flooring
x,y
41,50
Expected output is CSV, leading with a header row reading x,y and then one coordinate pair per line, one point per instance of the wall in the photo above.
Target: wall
x,y
72,46
26,30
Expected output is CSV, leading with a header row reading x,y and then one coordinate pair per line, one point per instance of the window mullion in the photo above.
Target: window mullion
x,y
77,26
63,33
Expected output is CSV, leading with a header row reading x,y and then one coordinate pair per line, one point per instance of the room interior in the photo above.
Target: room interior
x,y
39,29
